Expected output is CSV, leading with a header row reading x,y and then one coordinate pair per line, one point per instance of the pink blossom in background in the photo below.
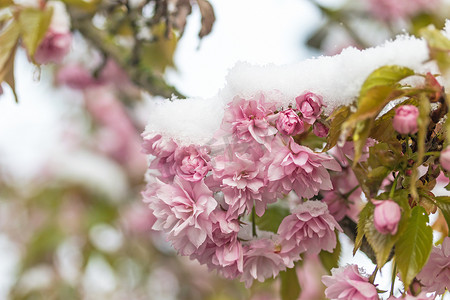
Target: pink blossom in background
x,y
444,158
309,275
347,283
298,168
386,216
435,276
344,184
118,136
320,129
138,218
405,119
54,47
310,228
76,77
347,152
261,261
288,123
248,119
191,162
400,9
310,105
183,210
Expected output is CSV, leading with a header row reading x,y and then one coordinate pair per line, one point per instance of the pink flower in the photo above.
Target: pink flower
x,y
248,120
164,151
310,105
76,77
400,9
444,159
53,47
405,119
288,123
343,200
261,261
435,276
241,177
320,129
348,284
309,228
192,162
183,210
386,216
299,168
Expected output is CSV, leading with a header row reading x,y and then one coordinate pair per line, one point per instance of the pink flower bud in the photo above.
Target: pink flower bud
x,y
405,119
289,123
444,159
310,105
320,129
386,216
53,47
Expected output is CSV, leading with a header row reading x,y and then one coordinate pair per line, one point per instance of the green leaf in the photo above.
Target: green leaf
x,y
381,87
34,24
8,41
337,118
438,45
422,124
364,217
331,260
384,76
414,245
5,3
290,287
360,136
158,55
272,217
443,203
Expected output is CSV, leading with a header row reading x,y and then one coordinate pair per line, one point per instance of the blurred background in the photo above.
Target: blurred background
x,y
72,224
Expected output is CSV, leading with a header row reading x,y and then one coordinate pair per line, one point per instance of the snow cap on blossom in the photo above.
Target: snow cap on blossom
x,y
298,168
261,261
183,210
405,119
310,228
288,123
248,119
347,283
310,105
444,158
435,276
386,216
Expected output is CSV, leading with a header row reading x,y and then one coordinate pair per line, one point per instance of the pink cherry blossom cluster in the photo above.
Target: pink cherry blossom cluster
x,y
400,9
206,198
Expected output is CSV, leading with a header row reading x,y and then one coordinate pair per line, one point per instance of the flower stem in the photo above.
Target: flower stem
x,y
253,222
394,275
394,185
351,192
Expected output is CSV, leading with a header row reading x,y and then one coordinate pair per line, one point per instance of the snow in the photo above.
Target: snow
x,y
337,78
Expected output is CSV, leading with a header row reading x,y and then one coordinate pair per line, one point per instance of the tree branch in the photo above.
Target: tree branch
x,y
144,79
